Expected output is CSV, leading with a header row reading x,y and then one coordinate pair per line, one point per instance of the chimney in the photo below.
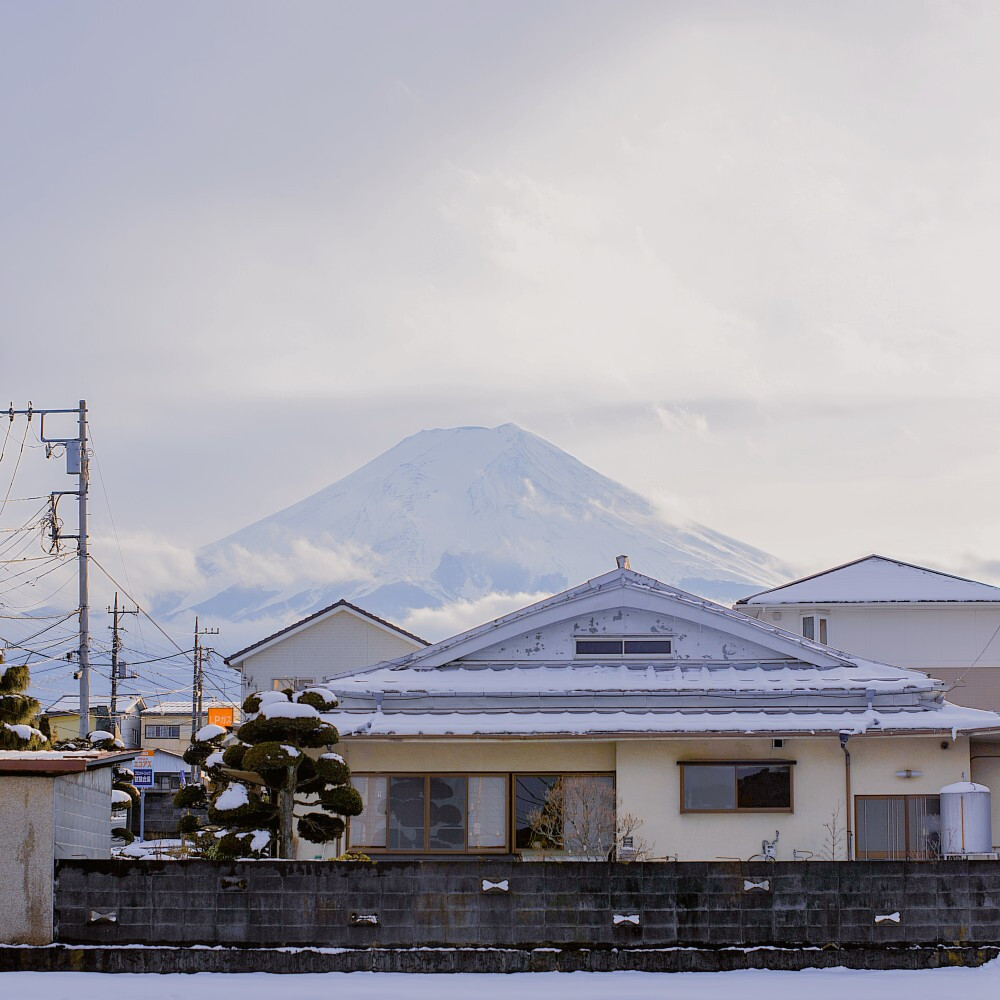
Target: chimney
x,y
622,562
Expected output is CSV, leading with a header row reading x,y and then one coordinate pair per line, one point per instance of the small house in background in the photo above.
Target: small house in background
x,y
64,808
63,716
336,640
167,726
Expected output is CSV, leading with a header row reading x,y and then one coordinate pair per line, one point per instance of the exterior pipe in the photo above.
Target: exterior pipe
x,y
847,794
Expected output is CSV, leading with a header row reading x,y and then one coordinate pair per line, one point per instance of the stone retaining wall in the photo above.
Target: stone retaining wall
x,y
566,905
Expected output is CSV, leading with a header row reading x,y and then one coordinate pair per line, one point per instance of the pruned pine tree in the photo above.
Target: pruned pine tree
x,y
258,776
18,711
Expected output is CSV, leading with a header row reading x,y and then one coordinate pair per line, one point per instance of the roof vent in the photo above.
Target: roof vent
x,y
622,562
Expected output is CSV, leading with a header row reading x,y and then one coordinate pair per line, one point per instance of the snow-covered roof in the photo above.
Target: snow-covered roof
x,y
70,703
184,707
768,680
877,579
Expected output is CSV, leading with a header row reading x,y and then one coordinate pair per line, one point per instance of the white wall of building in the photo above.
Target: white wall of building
x,y
958,643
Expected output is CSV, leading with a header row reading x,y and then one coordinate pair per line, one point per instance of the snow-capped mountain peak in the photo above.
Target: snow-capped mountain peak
x,y
460,514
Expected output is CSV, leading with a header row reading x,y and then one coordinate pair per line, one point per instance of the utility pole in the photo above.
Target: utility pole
x,y
83,474
77,464
115,649
198,679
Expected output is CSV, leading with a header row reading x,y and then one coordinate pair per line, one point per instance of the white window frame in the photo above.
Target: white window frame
x,y
820,625
623,639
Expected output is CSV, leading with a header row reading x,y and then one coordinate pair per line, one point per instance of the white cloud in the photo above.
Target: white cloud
x,y
450,619
305,562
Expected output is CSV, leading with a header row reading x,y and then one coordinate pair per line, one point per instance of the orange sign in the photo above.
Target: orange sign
x,y
220,716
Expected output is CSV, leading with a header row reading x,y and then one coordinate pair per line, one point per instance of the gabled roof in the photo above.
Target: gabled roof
x,y
877,579
69,704
339,606
779,682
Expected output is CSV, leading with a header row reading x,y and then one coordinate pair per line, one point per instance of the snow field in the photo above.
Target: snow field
x,y
816,984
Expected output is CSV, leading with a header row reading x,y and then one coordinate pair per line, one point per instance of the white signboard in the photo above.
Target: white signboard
x,y
142,768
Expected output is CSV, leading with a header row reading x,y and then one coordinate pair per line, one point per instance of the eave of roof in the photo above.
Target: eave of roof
x,y
243,653
47,763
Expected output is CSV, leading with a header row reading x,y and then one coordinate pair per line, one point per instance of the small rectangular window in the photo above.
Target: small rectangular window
x,y
641,647
645,646
736,787
599,647
814,627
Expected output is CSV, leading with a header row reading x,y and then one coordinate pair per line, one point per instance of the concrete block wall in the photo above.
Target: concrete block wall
x,y
26,859
82,814
548,904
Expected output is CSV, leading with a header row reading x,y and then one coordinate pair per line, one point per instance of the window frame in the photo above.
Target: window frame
x,y
821,625
908,853
622,639
512,806
157,736
735,765
427,850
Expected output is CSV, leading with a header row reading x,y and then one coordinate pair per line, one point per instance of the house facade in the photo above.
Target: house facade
x,y
626,715
898,613
167,726
943,625
63,716
335,640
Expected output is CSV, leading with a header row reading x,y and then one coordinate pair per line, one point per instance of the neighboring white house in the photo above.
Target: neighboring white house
x,y
898,613
711,727
915,617
340,638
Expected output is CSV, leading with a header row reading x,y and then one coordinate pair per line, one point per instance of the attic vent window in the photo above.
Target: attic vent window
x,y
624,647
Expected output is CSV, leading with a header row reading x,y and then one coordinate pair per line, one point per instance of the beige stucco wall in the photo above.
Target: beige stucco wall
x,y
648,780
26,860
649,786
330,646
175,746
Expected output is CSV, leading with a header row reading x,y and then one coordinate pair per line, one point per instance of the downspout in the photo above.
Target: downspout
x,y
844,737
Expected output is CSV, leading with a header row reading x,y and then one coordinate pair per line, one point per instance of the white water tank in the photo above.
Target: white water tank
x,y
965,819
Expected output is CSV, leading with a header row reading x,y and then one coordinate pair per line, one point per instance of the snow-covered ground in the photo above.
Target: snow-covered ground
x,y
817,984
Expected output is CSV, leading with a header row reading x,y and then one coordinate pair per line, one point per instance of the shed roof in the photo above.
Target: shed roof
x,y
46,763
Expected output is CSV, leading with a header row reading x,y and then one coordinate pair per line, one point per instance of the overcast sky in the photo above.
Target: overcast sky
x,y
739,256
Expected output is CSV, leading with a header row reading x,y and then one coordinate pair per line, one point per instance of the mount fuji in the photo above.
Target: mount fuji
x,y
484,519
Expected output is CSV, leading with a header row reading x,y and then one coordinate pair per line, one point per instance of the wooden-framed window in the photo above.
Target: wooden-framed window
x,y
571,813
736,786
897,827
625,646
431,813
